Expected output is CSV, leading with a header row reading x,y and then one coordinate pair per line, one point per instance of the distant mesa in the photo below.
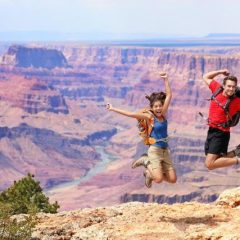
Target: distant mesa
x,y
222,35
25,57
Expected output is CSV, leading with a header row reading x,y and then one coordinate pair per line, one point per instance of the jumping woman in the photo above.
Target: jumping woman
x,y
157,163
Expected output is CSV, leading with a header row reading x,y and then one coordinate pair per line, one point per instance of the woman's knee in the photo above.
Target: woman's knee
x,y
171,176
156,174
172,179
158,179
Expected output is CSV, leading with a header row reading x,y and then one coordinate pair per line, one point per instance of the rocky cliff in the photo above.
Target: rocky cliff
x,y
31,94
21,56
132,221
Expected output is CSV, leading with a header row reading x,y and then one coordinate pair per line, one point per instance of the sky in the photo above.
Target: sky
x,y
120,18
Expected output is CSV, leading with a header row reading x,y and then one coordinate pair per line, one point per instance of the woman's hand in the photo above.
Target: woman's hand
x,y
109,106
163,75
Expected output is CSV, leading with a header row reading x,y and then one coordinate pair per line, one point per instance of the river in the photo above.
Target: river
x,y
98,168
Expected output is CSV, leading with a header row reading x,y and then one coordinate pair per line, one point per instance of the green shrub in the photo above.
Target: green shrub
x,y
13,228
26,194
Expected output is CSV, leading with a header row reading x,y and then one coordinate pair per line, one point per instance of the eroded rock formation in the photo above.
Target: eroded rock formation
x,y
147,221
21,56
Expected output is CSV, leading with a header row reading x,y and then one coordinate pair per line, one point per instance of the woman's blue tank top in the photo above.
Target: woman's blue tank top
x,y
160,132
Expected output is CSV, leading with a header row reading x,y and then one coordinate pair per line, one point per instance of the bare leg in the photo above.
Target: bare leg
x,y
214,161
156,174
230,154
170,176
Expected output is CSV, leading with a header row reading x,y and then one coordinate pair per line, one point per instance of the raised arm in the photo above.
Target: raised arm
x,y
208,77
168,92
127,113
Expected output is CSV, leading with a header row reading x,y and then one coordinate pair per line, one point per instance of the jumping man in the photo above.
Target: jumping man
x,y
223,107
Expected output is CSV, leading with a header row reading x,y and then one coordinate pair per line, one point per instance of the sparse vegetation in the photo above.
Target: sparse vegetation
x,y
15,228
26,194
24,197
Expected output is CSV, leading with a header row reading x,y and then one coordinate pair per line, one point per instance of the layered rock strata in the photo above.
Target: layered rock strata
x,y
21,56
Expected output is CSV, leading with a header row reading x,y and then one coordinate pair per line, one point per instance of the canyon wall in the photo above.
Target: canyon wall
x,y
58,111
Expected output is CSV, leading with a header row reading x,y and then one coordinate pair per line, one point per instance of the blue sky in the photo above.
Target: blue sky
x,y
119,18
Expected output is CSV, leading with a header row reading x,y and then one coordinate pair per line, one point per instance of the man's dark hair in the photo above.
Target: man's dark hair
x,y
231,78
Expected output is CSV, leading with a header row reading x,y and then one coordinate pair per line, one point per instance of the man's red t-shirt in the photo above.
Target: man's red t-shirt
x,y
216,113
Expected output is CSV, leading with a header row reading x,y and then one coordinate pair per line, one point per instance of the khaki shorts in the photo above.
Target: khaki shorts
x,y
160,158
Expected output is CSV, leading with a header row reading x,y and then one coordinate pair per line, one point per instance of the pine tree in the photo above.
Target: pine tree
x,y
27,194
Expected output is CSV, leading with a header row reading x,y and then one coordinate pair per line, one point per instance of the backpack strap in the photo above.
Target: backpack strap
x,y
220,89
150,122
226,107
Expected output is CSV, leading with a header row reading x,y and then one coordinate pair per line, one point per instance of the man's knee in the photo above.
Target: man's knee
x,y
209,164
210,160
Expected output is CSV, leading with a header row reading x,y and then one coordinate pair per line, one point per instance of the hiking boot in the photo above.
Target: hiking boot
x,y
148,180
142,161
237,151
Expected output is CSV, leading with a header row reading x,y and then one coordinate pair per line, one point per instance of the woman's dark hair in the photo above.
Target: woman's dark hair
x,y
231,78
156,96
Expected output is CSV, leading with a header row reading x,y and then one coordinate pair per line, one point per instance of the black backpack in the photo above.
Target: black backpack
x,y
237,93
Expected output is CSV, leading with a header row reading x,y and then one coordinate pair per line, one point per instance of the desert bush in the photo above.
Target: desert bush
x,y
18,227
27,193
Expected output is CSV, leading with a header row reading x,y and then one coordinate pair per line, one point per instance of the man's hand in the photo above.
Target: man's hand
x,y
225,72
208,77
